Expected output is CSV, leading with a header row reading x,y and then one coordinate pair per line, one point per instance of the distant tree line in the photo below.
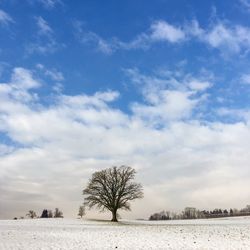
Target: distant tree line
x,y
193,213
45,214
49,214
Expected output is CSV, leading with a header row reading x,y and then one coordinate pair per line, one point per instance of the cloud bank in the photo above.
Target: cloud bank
x,y
51,149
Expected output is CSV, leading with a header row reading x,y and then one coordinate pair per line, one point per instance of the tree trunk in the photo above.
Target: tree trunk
x,y
114,217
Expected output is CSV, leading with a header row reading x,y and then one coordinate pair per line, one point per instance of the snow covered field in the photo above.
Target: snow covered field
x,y
230,233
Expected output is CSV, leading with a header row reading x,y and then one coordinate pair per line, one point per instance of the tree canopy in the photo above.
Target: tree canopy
x,y
112,189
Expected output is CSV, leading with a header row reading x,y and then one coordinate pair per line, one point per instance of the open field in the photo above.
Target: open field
x,y
226,233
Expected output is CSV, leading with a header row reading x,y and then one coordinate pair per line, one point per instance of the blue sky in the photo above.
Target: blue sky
x,y
161,85
71,43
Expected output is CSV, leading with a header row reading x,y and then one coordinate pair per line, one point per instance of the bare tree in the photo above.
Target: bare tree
x,y
50,214
81,212
58,213
31,214
44,213
112,189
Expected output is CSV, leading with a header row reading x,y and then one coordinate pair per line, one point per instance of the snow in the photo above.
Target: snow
x,y
226,233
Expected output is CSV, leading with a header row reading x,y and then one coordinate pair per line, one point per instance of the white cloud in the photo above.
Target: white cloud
x,y
47,47
245,78
50,4
98,100
169,106
163,31
58,88
160,31
87,37
45,41
5,18
193,29
54,75
226,37
17,90
167,98
58,146
23,79
245,4
51,73
197,85
43,26
235,114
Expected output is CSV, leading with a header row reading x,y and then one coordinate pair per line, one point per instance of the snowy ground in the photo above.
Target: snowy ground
x,y
233,233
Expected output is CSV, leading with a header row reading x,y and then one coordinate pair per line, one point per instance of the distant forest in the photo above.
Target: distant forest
x,y
193,213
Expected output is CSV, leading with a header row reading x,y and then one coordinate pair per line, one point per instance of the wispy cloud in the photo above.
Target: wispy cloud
x,y
43,27
50,4
168,97
5,18
163,31
88,37
228,37
245,4
245,78
45,42
17,89
221,35
43,47
51,73
47,4
160,31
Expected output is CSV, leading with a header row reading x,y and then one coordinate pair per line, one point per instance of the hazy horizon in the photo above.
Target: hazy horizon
x,y
160,86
